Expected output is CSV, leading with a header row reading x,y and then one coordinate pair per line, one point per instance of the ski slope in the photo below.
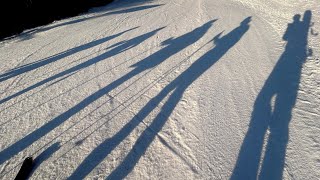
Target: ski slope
x,y
166,89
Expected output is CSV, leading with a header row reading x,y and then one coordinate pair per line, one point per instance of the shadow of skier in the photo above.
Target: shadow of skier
x,y
176,88
282,84
43,130
114,50
34,65
172,47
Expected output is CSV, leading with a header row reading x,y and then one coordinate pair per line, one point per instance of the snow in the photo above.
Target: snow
x,y
166,89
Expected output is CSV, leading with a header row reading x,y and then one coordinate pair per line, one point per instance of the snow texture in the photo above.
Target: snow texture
x,y
166,89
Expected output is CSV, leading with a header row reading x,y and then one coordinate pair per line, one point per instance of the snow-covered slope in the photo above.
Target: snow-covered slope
x,y
166,89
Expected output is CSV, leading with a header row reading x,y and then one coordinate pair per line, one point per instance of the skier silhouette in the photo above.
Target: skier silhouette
x,y
46,128
283,84
177,87
116,49
172,47
34,65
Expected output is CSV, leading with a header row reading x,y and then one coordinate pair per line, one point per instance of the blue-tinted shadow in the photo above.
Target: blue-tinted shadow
x,y
116,49
176,88
45,155
282,86
34,65
23,143
172,47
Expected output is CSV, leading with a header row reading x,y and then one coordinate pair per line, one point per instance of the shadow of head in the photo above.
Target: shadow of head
x,y
246,21
306,17
243,25
197,31
296,18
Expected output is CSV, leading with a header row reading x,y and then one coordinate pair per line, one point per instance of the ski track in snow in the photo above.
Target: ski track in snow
x,y
166,89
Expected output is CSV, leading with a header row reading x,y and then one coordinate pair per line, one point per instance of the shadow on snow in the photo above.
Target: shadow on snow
x,y
115,49
45,155
37,134
34,65
172,46
177,87
282,85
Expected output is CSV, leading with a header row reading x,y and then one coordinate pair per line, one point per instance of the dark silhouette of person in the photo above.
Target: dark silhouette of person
x,y
172,47
282,85
176,88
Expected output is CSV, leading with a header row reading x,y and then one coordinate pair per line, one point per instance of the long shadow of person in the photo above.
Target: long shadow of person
x,y
34,65
176,88
115,49
29,139
172,47
282,84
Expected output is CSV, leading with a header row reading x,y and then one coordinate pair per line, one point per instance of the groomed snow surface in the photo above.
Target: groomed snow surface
x,y
166,89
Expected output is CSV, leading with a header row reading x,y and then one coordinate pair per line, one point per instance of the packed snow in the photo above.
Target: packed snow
x,y
166,89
